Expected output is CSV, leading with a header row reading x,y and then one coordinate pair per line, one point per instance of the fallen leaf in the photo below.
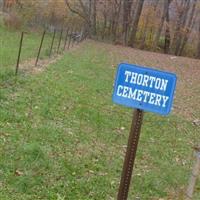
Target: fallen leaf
x,y
196,122
18,172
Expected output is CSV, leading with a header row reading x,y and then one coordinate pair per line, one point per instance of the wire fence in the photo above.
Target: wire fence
x,y
66,38
36,45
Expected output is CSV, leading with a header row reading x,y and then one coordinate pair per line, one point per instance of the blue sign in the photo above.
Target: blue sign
x,y
144,88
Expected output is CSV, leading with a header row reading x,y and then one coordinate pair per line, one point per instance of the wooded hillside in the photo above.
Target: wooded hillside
x,y
170,26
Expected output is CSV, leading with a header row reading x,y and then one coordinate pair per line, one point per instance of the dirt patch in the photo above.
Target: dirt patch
x,y
28,66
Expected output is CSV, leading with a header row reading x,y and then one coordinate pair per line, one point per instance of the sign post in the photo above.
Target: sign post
x,y
130,154
144,89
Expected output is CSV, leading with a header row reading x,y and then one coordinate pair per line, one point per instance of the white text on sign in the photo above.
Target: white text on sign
x,y
144,96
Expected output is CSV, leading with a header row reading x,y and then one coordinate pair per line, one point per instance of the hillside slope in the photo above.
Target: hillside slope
x,y
187,70
61,137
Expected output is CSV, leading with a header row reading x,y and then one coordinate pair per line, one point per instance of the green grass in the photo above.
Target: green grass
x,y
61,137
9,44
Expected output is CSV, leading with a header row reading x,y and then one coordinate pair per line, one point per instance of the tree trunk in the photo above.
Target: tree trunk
x,y
104,21
94,17
181,25
167,36
146,26
165,11
114,20
144,32
90,9
198,46
84,14
90,18
188,29
167,32
4,5
126,18
136,22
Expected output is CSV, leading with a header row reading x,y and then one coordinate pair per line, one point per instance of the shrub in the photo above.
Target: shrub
x,y
12,21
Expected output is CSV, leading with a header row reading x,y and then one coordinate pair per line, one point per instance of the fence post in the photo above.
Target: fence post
x,y
81,35
73,40
70,38
66,39
54,34
19,53
40,48
61,32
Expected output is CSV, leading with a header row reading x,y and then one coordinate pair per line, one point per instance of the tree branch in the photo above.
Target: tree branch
x,y
75,11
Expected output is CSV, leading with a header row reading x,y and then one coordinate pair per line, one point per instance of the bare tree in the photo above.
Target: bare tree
x,y
105,19
92,13
153,4
120,20
94,16
127,4
188,28
114,7
163,17
77,11
83,10
182,9
167,31
135,22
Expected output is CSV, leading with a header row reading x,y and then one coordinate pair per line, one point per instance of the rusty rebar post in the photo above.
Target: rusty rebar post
x,y
19,53
130,155
40,48
61,33
52,42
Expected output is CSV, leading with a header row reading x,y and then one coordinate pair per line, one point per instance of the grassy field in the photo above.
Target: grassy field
x,y
62,138
9,43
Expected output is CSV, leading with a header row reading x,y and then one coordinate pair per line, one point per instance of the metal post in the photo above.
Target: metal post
x,y
77,36
66,39
81,30
61,32
40,48
81,38
73,30
19,53
70,38
54,34
130,155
